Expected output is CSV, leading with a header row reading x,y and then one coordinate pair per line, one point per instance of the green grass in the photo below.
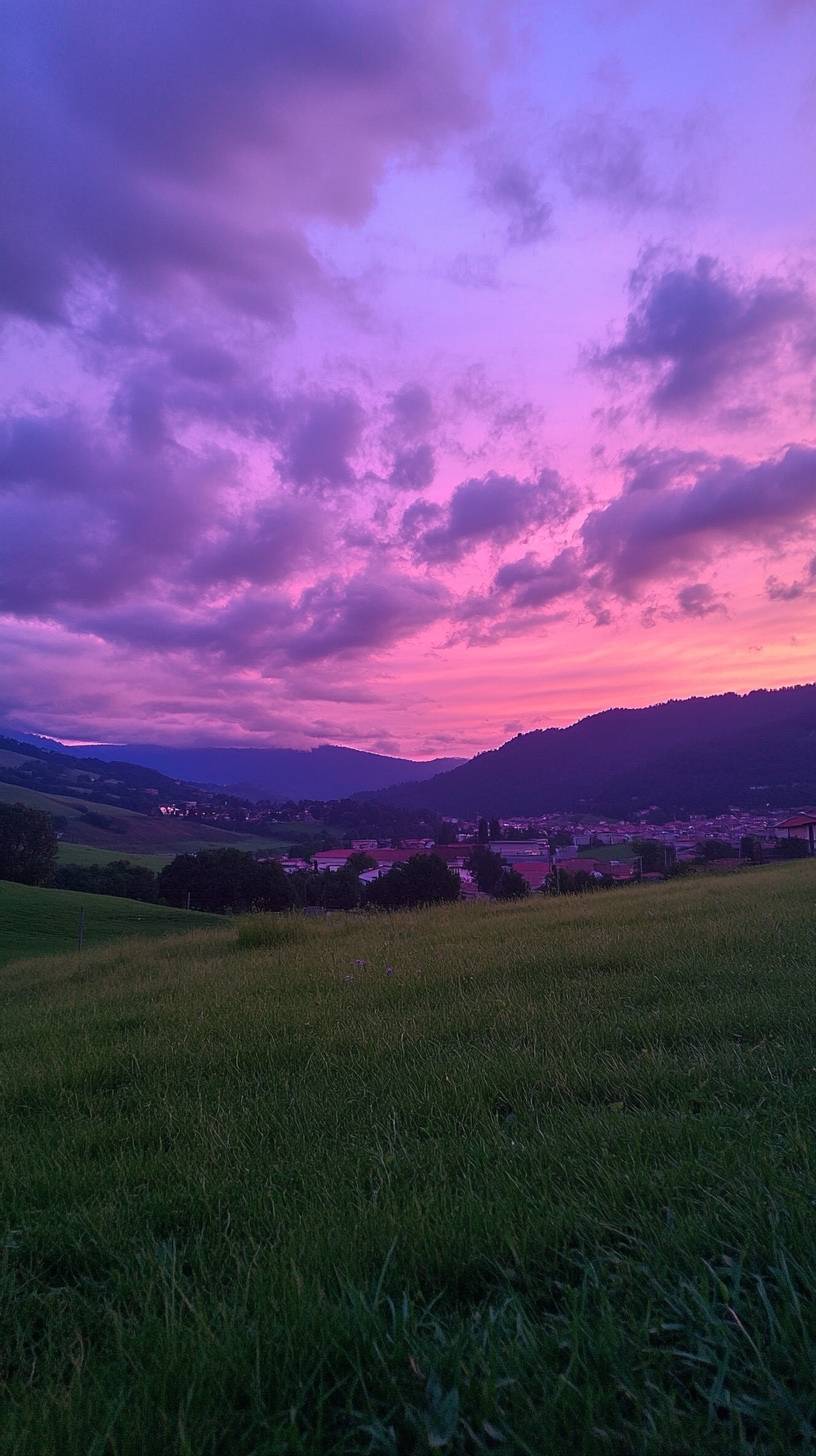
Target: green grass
x,y
548,1187
44,922
88,854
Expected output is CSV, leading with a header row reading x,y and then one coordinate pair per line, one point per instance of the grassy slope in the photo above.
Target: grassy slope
x,y
547,1187
42,922
136,836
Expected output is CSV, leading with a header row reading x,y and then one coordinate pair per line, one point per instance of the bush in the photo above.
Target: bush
x,y
28,845
511,886
424,879
222,880
120,877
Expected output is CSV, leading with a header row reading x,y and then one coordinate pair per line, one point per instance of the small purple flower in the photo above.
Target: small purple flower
x,y
359,964
389,970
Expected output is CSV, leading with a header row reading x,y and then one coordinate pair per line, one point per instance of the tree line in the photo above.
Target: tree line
x,y
233,880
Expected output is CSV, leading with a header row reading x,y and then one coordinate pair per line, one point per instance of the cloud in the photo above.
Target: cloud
x,y
510,188
698,600
278,538
411,413
86,517
494,509
779,591
208,171
413,468
644,534
322,436
602,158
368,612
531,583
694,330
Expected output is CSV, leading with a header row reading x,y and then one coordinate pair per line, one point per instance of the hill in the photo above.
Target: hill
x,y
545,1185
326,772
695,755
37,922
88,801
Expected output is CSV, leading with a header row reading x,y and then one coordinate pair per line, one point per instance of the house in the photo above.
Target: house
x,y
535,871
335,859
799,826
513,849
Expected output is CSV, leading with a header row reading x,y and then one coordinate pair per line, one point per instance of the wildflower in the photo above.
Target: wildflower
x,y
359,964
389,970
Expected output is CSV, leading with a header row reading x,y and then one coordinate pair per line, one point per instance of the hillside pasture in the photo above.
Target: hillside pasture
x,y
41,922
520,1178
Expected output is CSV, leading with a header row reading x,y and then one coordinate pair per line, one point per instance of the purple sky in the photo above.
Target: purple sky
x,y
399,374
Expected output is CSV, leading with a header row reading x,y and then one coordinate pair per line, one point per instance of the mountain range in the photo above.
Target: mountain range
x,y
327,772
695,755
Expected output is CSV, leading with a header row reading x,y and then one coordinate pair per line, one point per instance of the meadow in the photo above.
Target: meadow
x,y
523,1178
43,922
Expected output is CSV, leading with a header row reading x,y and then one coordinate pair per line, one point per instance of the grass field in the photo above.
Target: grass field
x,y
44,922
88,854
545,1185
149,841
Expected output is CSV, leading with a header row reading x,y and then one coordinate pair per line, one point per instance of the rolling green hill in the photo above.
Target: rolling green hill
x,y
148,840
515,1179
40,922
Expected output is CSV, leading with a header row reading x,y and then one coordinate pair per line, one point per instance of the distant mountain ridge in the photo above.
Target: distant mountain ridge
x,y
696,754
326,772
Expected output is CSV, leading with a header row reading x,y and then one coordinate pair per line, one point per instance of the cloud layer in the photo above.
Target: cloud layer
x,y
360,362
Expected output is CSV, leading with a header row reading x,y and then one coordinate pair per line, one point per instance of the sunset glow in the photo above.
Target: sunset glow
x,y
403,375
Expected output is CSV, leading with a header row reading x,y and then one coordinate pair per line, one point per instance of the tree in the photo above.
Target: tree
x,y
711,849
485,867
654,856
424,879
494,828
447,833
791,849
119,877
28,845
360,861
483,831
751,849
219,880
511,886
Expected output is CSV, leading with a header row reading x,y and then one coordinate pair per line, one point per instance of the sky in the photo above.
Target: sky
x,y
404,374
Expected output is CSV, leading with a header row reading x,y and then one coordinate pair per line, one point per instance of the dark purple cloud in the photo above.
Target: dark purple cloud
x,y
413,468
89,517
780,591
643,534
412,414
275,540
164,143
495,509
511,189
531,583
698,599
323,434
694,330
367,612
653,468
602,158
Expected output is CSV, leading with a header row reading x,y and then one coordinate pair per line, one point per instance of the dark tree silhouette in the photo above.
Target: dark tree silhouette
x,y
28,845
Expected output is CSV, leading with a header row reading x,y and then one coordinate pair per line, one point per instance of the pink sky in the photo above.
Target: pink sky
x,y
402,375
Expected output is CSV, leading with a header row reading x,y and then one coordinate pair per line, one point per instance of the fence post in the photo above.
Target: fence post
x,y
81,932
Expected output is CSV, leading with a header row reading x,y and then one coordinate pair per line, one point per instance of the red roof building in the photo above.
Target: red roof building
x,y
799,826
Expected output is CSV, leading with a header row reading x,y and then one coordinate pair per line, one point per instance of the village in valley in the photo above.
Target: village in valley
x,y
548,851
